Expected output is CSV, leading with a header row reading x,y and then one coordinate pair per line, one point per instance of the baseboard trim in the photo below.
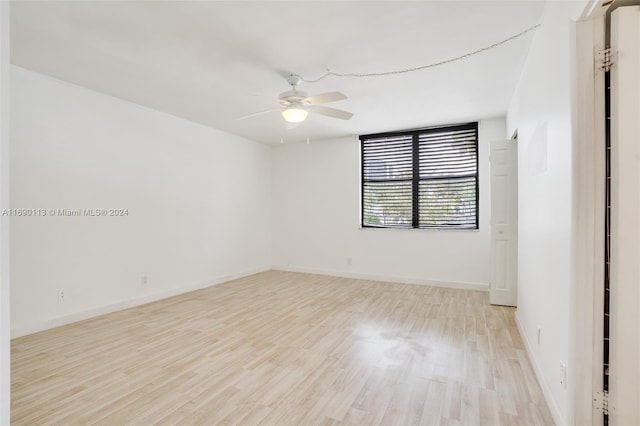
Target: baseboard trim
x,y
130,303
385,278
546,390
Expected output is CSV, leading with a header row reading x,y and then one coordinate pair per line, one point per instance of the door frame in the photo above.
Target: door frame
x,y
587,293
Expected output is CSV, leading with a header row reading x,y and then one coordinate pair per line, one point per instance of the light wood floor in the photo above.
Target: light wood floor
x,y
283,348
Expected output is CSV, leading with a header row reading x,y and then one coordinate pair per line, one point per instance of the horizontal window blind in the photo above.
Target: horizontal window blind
x,y
421,179
387,192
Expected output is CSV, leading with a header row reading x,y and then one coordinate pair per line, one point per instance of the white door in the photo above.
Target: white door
x,y
624,359
504,223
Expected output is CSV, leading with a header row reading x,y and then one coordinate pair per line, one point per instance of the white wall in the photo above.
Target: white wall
x,y
5,354
316,221
542,112
199,203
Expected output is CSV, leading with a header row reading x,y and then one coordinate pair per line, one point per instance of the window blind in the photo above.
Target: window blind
x,y
425,178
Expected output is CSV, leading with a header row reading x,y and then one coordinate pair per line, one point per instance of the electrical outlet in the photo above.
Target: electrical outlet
x,y
563,375
539,333
61,295
144,280
349,261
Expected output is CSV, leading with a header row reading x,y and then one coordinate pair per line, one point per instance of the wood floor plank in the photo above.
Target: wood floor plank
x,y
284,348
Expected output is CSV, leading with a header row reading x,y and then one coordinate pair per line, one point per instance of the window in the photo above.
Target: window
x,y
421,179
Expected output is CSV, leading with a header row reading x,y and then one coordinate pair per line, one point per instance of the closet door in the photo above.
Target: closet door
x,y
624,361
504,223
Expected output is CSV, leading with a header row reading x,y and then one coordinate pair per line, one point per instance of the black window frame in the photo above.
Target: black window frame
x,y
416,179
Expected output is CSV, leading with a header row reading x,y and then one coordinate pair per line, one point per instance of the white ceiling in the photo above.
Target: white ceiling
x,y
211,62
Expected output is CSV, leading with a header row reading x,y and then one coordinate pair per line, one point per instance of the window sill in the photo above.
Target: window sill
x,y
367,228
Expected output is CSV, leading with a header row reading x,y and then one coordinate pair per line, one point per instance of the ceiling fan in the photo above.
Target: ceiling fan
x,y
296,104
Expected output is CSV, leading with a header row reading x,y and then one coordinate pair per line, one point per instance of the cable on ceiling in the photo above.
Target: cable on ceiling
x,y
422,67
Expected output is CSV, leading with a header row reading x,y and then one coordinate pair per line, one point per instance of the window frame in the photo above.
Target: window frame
x,y
415,179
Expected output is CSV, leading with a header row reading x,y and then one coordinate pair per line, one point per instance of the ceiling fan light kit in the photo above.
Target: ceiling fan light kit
x,y
294,115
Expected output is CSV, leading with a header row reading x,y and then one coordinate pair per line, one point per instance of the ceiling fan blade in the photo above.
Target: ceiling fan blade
x,y
330,112
258,113
324,98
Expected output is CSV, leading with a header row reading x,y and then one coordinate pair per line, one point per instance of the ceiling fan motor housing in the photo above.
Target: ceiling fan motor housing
x,y
293,97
